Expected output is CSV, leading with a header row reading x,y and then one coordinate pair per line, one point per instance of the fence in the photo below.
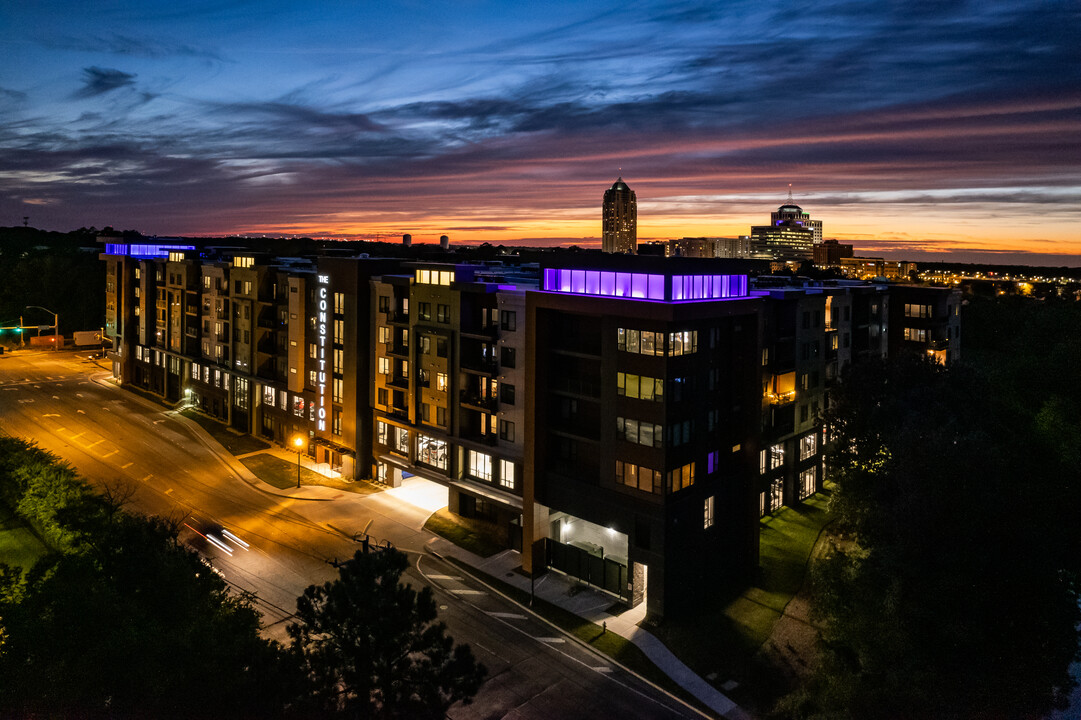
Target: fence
x,y
596,570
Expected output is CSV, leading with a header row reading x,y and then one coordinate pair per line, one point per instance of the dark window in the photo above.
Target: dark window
x,y
508,321
441,347
506,394
381,396
384,303
443,313
506,357
425,311
506,430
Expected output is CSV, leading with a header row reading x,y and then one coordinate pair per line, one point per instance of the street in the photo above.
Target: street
x,y
274,546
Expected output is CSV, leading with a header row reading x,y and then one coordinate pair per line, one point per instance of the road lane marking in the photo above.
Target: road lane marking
x,y
27,400
79,395
125,467
150,476
555,640
602,669
508,616
51,415
98,442
445,577
114,452
81,412
158,422
56,397
76,437
468,592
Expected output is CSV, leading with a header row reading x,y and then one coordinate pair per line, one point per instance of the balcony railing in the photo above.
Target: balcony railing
x,y
781,398
476,400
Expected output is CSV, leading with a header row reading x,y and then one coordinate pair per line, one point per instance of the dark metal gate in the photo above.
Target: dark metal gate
x,y
600,571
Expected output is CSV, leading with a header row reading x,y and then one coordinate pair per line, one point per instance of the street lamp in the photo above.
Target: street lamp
x,y
298,443
56,324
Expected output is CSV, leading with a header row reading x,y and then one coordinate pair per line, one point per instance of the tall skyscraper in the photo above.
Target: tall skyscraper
x,y
619,219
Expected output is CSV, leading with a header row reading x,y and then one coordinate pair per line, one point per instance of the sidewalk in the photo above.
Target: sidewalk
x,y
593,605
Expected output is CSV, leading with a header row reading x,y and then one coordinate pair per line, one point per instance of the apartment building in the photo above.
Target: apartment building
x,y
620,419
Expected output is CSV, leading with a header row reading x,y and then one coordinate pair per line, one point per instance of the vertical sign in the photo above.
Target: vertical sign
x,y
324,281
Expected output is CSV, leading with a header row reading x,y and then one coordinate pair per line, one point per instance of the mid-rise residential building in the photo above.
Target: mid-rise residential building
x,y
622,419
926,319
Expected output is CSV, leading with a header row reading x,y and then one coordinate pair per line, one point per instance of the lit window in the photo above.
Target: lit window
x,y
432,451
808,445
506,474
807,482
480,465
681,478
441,382
776,456
707,520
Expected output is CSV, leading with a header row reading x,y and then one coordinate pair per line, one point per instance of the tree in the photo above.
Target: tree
x,y
372,647
134,625
120,619
955,592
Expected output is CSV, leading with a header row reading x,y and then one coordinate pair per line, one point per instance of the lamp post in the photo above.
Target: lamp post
x,y
298,443
56,324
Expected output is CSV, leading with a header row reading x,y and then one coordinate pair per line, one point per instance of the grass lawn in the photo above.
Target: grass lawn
x,y
282,475
723,640
19,546
231,440
476,537
614,646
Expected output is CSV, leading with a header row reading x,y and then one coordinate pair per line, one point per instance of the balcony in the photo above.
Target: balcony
x,y
478,402
399,318
482,332
582,387
484,366
783,398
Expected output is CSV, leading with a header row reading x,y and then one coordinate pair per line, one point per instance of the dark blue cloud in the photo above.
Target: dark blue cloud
x,y
98,81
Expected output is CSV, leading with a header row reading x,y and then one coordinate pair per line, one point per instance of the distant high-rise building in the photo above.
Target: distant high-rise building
x,y
619,219
790,234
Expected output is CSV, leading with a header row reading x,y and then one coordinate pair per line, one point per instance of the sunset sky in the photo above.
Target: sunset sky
x,y
919,129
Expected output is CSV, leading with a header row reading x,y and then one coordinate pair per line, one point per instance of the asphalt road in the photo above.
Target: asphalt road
x,y
125,444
